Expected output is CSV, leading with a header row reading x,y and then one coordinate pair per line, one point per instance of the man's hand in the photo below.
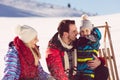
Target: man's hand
x,y
93,64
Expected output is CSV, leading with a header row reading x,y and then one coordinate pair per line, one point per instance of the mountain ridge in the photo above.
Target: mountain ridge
x,y
30,8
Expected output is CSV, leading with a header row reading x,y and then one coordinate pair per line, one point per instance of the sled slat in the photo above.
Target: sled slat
x,y
108,53
112,51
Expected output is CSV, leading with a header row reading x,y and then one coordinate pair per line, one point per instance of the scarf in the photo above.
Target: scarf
x,y
27,61
66,58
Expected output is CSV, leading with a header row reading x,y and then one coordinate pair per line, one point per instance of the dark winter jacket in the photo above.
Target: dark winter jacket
x,y
101,72
56,61
86,47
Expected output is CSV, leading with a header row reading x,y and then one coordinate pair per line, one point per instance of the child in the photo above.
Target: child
x,y
87,46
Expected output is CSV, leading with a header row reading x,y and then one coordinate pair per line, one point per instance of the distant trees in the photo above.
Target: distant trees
x,y
69,5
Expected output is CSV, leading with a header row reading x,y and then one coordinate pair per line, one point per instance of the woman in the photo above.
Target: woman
x,y
22,58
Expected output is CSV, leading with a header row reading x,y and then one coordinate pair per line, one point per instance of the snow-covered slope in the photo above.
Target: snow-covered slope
x,y
46,28
29,8
8,11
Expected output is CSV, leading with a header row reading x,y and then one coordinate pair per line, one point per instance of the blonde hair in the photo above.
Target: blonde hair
x,y
36,54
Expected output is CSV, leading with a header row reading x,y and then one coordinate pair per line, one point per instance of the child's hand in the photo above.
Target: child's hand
x,y
91,38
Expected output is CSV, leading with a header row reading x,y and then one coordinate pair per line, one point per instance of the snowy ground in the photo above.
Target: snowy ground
x,y
46,28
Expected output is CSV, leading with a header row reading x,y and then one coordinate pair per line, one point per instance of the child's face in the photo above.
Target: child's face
x,y
85,32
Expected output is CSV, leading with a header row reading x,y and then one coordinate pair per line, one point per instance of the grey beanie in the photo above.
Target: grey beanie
x,y
85,23
25,33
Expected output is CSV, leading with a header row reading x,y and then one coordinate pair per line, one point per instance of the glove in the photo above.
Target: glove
x,y
91,38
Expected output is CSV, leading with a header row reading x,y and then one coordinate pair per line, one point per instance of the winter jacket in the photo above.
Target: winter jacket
x,y
27,60
13,69
86,47
60,60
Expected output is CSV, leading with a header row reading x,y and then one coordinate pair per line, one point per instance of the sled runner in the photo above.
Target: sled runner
x,y
107,52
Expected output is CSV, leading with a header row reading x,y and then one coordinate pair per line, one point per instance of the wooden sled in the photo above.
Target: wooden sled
x,y
107,52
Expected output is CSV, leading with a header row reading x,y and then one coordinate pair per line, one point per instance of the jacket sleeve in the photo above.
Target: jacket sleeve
x,y
101,72
94,36
96,33
12,69
55,66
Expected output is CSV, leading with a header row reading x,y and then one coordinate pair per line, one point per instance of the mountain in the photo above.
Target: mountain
x,y
31,8
8,11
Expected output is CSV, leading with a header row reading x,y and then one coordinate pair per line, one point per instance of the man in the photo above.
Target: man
x,y
61,54
61,58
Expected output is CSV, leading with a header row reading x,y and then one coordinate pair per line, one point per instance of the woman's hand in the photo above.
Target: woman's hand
x,y
93,64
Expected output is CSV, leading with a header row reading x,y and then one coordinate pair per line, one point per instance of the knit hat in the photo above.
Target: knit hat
x,y
85,22
25,33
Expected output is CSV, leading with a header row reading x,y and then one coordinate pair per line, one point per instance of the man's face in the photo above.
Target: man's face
x,y
72,32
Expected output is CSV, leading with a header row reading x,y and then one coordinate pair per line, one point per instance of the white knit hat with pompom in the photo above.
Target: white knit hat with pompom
x,y
85,22
25,33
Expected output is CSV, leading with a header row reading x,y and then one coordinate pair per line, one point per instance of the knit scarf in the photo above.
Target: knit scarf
x,y
66,58
27,61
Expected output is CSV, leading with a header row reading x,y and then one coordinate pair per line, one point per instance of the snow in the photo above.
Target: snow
x,y
47,27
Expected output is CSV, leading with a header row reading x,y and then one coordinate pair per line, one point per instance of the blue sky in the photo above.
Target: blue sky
x,y
102,7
